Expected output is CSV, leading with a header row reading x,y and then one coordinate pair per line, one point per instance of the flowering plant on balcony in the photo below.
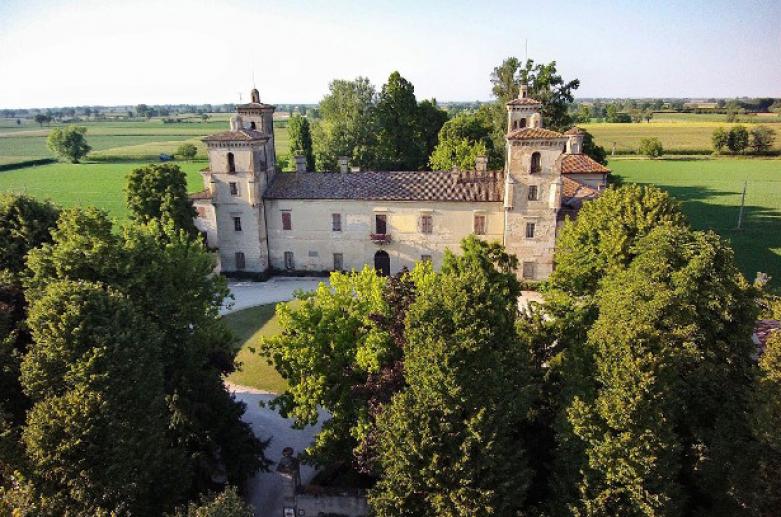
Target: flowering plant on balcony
x,y
380,238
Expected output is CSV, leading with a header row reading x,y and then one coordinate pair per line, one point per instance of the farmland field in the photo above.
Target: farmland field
x,y
710,191
685,136
96,184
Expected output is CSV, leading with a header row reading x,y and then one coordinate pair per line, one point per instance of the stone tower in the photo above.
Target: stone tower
x,y
241,166
532,186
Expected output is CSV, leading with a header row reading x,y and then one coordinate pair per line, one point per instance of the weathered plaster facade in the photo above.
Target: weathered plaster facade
x,y
263,221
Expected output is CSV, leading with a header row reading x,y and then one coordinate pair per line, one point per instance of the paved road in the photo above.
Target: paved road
x,y
277,289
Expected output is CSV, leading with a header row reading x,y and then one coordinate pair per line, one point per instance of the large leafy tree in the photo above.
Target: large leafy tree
x,y
450,443
95,437
168,277
159,191
347,124
672,369
398,145
69,143
25,223
431,118
462,139
300,135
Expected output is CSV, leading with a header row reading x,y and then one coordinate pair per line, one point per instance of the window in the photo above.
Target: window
x,y
240,261
532,193
289,262
252,125
338,262
479,225
231,163
234,188
287,221
425,258
529,270
336,222
530,230
426,224
237,224
515,124
523,122
381,224
536,166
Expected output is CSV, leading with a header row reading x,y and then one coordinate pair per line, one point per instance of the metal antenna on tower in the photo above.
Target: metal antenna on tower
x,y
526,49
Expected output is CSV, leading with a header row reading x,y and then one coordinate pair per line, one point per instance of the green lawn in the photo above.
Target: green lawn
x,y
96,184
710,191
250,325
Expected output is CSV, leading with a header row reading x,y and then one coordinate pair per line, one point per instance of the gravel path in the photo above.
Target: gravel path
x,y
277,289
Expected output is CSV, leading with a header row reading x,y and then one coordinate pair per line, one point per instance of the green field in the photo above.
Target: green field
x,y
118,140
95,184
249,325
710,191
689,136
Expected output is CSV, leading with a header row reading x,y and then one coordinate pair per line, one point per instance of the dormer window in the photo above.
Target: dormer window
x,y
536,165
231,164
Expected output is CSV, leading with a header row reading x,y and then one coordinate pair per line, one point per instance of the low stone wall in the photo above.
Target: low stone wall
x,y
314,502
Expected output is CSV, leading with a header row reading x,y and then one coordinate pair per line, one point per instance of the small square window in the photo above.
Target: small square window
x,y
336,222
530,227
529,270
287,221
289,262
240,261
237,224
532,193
338,262
426,224
234,187
479,225
425,258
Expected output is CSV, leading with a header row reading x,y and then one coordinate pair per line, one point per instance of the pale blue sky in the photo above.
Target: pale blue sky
x,y
68,52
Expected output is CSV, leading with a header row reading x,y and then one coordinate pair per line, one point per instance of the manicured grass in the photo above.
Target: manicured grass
x,y
685,136
711,190
250,325
87,184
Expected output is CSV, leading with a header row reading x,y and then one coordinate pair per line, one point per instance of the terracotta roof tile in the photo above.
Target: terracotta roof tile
x,y
530,133
581,164
389,186
203,194
574,130
524,101
255,105
243,135
762,331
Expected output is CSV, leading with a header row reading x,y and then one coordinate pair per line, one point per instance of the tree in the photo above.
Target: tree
x,y
169,278
160,192
301,140
69,143
347,125
603,236
451,442
328,345
430,119
40,118
762,138
225,504
651,147
187,151
720,138
592,150
737,139
25,223
584,114
462,139
672,369
96,434
398,145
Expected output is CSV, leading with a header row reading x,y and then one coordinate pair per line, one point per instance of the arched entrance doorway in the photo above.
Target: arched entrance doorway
x,y
382,263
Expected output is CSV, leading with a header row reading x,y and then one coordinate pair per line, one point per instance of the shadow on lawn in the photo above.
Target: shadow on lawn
x,y
753,243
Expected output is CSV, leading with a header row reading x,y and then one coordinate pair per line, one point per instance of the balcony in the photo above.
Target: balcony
x,y
380,238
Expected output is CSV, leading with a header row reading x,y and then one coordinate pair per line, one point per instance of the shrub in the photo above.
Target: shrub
x,y
719,139
651,147
187,151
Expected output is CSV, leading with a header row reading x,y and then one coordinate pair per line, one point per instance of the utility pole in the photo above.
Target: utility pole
x,y
742,204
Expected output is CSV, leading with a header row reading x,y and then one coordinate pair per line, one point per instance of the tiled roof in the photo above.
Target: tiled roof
x,y
529,133
255,105
573,195
389,186
244,135
524,101
574,130
203,194
762,331
581,164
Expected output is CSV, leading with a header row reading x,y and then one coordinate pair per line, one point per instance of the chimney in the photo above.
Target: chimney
x,y
344,164
481,164
235,123
300,163
575,142
255,96
523,92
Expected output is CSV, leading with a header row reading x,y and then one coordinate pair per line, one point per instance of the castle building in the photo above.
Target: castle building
x,y
263,221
